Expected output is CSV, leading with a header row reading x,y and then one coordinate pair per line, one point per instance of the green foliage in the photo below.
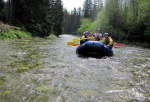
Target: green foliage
x,y
144,10
144,17
93,26
4,27
101,22
7,31
14,34
72,21
85,25
123,19
38,17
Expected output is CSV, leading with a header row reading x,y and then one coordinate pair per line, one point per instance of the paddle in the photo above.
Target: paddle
x,y
70,43
118,45
75,40
78,39
75,44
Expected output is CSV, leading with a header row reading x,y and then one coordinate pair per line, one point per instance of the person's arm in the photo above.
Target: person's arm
x,y
103,40
90,38
83,38
110,41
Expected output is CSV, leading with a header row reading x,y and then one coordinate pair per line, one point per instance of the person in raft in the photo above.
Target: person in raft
x,y
98,34
84,37
91,37
107,40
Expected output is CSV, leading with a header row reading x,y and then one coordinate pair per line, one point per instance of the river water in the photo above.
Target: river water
x,y
47,70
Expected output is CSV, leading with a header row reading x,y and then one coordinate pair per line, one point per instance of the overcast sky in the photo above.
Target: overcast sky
x,y
70,4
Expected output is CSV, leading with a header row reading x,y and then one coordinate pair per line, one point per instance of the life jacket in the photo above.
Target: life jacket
x,y
83,39
107,41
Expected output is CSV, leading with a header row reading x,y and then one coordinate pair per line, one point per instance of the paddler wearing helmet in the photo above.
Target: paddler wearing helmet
x,y
107,40
84,37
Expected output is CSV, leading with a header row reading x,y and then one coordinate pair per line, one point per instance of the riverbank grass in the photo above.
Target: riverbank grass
x,y
7,31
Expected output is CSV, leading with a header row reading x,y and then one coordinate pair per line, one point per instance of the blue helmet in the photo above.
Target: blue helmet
x,y
87,32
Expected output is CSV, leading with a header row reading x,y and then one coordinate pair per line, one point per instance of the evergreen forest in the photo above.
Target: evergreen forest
x,y
124,20
39,17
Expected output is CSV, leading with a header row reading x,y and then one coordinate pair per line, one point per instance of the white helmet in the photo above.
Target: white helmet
x,y
106,34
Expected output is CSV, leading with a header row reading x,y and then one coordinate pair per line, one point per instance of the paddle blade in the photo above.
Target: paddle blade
x,y
75,44
70,43
75,40
118,45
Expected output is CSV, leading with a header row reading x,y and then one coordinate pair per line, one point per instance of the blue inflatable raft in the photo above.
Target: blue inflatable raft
x,y
94,49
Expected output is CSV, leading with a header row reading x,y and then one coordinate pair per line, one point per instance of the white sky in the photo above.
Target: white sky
x,y
70,4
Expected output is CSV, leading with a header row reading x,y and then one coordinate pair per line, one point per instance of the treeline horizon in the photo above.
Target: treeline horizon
x,y
124,20
38,17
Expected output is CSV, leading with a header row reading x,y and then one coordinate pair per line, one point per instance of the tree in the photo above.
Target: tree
x,y
57,17
72,20
2,5
94,10
35,16
85,25
114,13
144,18
87,7
17,12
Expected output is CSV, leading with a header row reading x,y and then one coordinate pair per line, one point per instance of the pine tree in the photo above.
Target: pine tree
x,y
72,20
87,9
2,16
57,17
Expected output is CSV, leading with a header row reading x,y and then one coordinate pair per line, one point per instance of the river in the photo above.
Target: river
x,y
47,70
